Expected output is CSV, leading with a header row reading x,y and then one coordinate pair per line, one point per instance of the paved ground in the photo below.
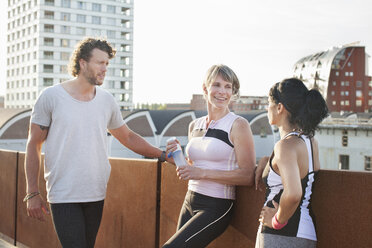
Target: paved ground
x,y
4,244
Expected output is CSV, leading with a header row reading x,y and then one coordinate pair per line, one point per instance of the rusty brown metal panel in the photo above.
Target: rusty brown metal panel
x,y
342,207
172,195
32,232
130,205
8,171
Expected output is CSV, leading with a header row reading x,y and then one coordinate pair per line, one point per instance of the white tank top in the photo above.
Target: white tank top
x,y
301,224
211,148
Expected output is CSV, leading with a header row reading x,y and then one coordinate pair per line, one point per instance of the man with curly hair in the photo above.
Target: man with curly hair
x,y
72,119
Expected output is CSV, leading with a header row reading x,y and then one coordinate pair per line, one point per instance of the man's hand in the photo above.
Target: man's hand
x,y
36,208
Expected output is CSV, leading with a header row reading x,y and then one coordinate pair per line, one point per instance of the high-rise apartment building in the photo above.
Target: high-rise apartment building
x,y
42,34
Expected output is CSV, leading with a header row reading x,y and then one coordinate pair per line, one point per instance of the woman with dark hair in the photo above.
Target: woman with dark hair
x,y
286,217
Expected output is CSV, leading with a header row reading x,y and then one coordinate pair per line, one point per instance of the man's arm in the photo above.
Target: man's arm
x,y
36,138
135,142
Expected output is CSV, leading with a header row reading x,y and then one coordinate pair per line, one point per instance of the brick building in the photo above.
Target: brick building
x,y
342,76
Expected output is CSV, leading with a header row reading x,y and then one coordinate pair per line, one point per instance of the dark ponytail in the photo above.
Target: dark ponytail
x,y
313,111
307,108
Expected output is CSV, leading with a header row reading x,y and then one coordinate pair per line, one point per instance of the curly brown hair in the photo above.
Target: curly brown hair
x,y
83,50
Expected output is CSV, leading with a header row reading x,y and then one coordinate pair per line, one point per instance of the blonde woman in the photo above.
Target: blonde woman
x,y
221,155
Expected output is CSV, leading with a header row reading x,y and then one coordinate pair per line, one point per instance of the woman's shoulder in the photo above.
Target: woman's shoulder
x,y
291,143
240,123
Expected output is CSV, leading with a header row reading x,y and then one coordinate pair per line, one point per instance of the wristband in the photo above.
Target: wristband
x,y
162,157
30,195
276,224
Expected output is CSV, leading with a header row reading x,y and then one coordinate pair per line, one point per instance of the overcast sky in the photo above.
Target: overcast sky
x,y
175,42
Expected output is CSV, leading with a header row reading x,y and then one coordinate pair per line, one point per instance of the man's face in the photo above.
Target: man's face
x,y
95,70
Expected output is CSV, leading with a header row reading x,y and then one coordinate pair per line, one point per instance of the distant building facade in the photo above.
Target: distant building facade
x,y
249,103
345,142
242,104
41,35
342,76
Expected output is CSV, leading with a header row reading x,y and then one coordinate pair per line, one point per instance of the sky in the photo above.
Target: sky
x,y
175,42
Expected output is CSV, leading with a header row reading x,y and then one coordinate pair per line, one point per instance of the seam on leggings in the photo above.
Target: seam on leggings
x,y
210,223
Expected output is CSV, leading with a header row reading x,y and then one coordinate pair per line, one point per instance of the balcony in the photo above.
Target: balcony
x,y
144,198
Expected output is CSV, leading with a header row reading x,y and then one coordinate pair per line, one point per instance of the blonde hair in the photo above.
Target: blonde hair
x,y
226,73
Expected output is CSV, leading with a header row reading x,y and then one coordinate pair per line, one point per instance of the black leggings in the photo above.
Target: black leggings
x,y
202,219
77,224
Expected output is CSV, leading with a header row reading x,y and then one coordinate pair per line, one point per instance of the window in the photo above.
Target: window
x,y
65,56
368,163
65,16
64,42
111,21
80,18
96,20
358,93
111,84
358,103
124,48
336,73
346,73
96,7
96,32
334,103
125,23
343,162
358,83
48,41
66,3
124,97
346,83
351,74
48,68
49,14
342,93
124,73
111,9
334,83
49,28
110,72
47,82
348,64
111,34
344,137
125,11
125,35
48,55
342,83
342,103
347,103
80,31
65,29
346,93
63,68
81,5
124,85
124,60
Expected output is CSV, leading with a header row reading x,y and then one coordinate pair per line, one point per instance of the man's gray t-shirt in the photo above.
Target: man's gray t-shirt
x,y
76,158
